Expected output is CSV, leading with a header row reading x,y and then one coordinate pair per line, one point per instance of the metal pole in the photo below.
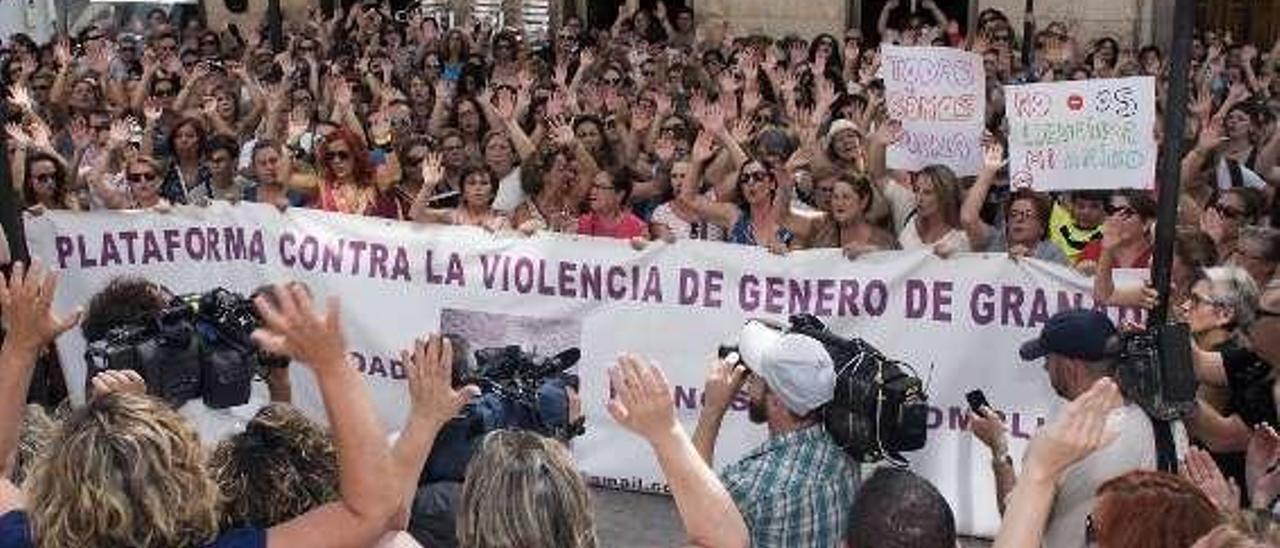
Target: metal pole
x,y
274,25
10,209
1028,42
1170,168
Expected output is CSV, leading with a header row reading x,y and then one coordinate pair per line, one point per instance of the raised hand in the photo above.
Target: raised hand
x,y
293,328
1200,469
20,98
120,130
151,110
1262,466
62,53
643,402
560,131
432,170
81,135
1080,430
703,148
888,133
429,374
26,308
993,158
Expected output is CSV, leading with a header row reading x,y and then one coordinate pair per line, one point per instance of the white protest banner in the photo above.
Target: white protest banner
x,y
959,321
939,95
1080,135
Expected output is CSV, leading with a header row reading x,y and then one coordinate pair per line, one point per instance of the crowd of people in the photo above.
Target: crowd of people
x,y
659,128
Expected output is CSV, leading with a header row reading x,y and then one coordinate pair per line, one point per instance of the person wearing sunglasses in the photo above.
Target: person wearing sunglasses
x,y
1231,210
1126,234
347,180
1025,216
1237,384
756,217
45,184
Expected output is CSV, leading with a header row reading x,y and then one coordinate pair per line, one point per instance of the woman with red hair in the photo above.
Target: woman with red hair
x,y
347,182
1144,508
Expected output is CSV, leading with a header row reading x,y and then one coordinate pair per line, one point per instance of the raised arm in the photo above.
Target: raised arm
x,y
1080,430
26,299
367,481
882,23
980,233
720,213
432,403
644,406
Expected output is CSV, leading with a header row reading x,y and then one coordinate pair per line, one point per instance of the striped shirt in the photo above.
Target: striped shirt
x,y
794,490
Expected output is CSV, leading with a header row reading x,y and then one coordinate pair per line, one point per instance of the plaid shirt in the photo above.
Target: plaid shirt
x,y
794,490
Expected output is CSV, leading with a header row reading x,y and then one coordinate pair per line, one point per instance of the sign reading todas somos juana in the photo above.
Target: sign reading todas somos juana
x,y
1089,134
958,321
939,95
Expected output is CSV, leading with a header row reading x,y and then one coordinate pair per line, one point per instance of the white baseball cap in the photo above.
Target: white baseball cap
x,y
795,367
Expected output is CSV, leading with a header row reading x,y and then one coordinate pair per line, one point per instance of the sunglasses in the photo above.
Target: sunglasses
x,y
337,155
42,177
755,177
1122,211
141,177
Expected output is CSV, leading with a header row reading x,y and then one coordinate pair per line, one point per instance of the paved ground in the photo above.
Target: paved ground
x,y
629,520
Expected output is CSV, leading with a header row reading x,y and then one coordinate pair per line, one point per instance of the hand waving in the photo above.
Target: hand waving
x,y
292,327
26,300
429,375
643,402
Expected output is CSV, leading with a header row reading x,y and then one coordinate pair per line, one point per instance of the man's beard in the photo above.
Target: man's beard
x,y
756,411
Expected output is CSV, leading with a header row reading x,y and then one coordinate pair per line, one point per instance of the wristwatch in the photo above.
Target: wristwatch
x,y
1001,458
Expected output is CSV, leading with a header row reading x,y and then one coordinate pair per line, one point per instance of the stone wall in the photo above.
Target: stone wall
x,y
1120,19
806,17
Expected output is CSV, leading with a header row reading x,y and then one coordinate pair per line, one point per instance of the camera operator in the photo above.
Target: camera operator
x,y
1079,347
132,300
554,411
797,488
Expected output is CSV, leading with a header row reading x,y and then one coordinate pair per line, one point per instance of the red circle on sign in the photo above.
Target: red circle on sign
x,y
1075,102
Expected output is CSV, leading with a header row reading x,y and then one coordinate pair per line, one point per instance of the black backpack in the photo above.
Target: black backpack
x,y
880,408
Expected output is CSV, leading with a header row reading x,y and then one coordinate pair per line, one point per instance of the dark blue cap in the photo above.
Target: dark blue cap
x,y
1080,334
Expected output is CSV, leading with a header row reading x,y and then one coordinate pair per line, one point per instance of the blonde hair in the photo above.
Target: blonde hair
x,y
522,490
280,467
124,470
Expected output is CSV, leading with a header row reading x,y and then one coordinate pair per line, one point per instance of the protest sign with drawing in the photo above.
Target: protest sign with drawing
x,y
939,96
1091,134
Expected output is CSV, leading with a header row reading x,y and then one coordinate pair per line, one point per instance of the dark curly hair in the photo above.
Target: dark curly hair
x,y
281,466
125,300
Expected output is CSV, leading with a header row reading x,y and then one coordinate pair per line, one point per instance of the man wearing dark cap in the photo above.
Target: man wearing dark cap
x,y
1078,347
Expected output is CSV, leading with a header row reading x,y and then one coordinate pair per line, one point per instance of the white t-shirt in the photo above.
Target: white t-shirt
x,y
1135,449
902,205
509,194
682,229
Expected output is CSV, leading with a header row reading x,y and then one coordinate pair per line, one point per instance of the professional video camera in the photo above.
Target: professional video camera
x,y
519,391
879,408
1154,370
197,347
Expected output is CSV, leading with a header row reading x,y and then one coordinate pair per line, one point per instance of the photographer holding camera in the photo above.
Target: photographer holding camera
x,y
1079,348
797,488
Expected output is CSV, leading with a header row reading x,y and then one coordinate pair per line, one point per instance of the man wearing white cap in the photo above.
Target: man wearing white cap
x,y
796,489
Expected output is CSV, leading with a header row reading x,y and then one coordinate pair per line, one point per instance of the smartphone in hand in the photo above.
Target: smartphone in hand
x,y
977,400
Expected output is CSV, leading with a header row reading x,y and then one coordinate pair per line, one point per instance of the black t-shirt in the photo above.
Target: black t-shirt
x,y
1250,381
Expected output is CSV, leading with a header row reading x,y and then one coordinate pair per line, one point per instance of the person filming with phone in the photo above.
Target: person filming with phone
x,y
1078,348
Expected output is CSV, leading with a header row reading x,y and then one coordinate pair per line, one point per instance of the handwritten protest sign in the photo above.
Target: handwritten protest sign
x,y
939,95
1092,134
